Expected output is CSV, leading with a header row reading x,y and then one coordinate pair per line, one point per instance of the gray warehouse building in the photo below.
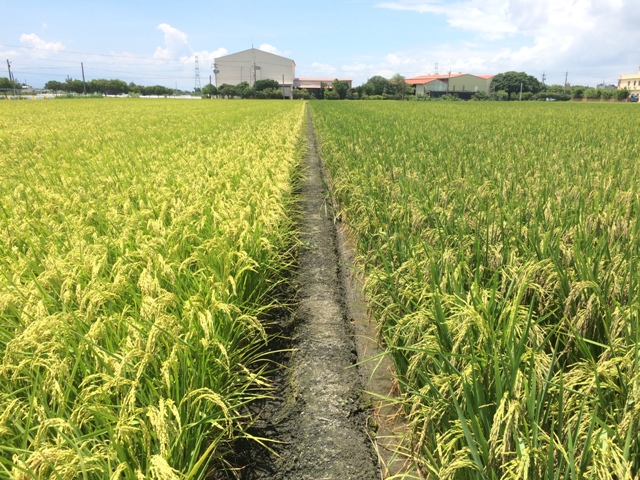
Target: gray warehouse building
x,y
253,65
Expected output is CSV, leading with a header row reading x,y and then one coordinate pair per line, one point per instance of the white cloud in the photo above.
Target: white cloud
x,y
265,47
206,58
322,69
488,17
176,44
172,63
393,59
592,38
32,40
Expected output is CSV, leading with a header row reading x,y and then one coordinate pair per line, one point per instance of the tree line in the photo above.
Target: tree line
x,y
6,84
520,86
105,86
504,86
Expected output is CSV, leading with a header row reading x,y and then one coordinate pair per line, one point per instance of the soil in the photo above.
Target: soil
x,y
323,423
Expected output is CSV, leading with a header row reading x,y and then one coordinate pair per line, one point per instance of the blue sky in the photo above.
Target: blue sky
x,y
156,42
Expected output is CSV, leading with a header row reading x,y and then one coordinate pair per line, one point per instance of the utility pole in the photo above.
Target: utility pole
x,y
197,87
255,73
215,71
84,84
520,98
566,77
9,67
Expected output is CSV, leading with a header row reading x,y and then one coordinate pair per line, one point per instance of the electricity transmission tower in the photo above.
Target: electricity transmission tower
x,y
197,87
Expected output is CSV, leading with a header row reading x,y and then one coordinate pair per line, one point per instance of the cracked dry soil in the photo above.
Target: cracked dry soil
x,y
317,414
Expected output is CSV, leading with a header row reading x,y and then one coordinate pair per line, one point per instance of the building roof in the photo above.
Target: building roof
x,y
254,51
322,79
424,79
318,82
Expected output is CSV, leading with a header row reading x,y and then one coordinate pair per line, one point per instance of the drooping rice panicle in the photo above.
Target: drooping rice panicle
x,y
500,248
140,240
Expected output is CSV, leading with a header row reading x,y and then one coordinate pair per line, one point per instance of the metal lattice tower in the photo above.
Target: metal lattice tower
x,y
197,87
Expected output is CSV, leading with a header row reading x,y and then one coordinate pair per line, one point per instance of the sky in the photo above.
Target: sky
x,y
588,42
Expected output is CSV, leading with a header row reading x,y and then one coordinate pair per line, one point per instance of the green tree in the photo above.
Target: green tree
x,y
331,95
513,82
6,84
622,94
261,85
341,88
502,95
592,93
377,85
606,93
155,90
73,85
480,96
209,90
53,85
227,90
243,90
117,87
273,93
400,85
301,94
554,92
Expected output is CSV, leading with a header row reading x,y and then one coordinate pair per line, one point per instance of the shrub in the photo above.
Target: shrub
x,y
502,95
331,95
480,96
622,94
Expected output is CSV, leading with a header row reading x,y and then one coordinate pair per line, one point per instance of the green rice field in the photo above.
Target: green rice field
x,y
140,244
499,244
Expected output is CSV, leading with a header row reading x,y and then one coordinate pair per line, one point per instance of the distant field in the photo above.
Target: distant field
x,y
500,248
139,241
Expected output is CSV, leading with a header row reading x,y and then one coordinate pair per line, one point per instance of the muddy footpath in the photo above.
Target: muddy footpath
x,y
325,415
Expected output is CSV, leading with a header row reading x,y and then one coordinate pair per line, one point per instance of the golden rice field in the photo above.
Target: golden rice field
x,y
140,242
499,244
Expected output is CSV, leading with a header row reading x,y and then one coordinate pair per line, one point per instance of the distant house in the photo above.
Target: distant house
x,y
253,65
631,82
315,85
462,84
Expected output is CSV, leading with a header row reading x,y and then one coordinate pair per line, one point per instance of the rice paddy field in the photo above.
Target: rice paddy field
x,y
499,245
141,243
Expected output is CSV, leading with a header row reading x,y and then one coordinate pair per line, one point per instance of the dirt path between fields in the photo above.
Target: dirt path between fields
x,y
325,425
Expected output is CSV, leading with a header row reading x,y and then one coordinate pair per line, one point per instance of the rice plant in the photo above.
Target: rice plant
x,y
500,248
140,244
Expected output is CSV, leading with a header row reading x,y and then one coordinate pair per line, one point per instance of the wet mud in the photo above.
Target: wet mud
x,y
322,423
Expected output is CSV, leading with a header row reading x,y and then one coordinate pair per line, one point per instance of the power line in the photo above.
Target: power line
x,y
133,57
130,73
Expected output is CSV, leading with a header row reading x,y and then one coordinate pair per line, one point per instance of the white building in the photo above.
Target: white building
x,y
462,84
630,81
253,65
